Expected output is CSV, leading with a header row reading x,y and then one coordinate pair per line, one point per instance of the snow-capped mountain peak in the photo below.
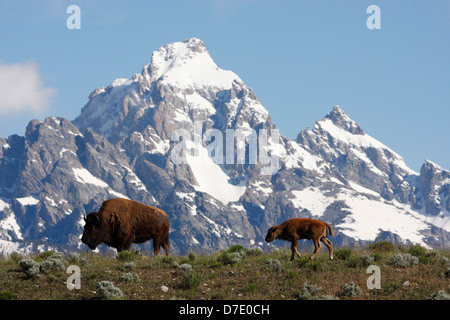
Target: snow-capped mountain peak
x,y
341,120
188,64
336,136
121,146
181,85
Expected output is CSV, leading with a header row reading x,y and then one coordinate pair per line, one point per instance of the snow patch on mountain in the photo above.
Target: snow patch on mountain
x,y
369,217
28,201
212,179
8,223
84,176
311,199
296,156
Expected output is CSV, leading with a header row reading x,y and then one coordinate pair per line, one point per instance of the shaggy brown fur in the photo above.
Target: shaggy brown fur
x,y
294,229
121,222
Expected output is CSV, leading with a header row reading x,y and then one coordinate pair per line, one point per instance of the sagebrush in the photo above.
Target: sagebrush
x,y
234,273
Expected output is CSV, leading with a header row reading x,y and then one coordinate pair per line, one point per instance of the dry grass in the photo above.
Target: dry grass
x,y
252,277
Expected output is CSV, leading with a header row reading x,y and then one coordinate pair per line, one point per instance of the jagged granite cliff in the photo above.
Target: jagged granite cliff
x,y
126,140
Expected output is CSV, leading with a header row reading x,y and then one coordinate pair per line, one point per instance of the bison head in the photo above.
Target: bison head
x,y
272,234
92,235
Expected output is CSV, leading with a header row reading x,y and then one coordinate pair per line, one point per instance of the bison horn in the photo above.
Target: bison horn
x,y
84,217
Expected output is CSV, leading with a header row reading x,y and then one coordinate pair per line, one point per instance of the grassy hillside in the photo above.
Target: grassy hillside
x,y
236,273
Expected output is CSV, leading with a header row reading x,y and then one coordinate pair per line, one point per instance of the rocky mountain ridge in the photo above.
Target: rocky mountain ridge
x,y
123,143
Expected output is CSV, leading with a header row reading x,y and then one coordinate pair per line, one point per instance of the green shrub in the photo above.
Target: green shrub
x,y
367,260
44,255
253,251
315,265
291,274
227,257
233,255
127,256
185,267
54,262
274,265
192,279
166,259
352,262
302,261
405,260
128,266
230,257
236,248
343,253
417,251
7,295
377,256
192,256
30,268
131,277
432,254
441,295
382,246
351,290
15,257
308,291
107,290
75,258
424,255
306,262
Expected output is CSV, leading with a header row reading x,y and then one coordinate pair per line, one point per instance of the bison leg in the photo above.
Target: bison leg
x,y
125,245
157,243
316,248
166,246
294,249
156,249
329,245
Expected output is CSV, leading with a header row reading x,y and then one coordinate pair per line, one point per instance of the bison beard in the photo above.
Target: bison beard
x,y
121,222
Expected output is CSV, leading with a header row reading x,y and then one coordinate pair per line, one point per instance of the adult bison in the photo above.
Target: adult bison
x,y
298,228
121,222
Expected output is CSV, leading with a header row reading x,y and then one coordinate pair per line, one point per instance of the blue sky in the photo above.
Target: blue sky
x,y
301,57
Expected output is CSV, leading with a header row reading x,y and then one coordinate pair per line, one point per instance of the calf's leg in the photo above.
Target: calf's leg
x,y
294,249
329,245
316,248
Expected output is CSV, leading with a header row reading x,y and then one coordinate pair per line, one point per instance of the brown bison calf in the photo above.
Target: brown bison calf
x,y
121,222
294,229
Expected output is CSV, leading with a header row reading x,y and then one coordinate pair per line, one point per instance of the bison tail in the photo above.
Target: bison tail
x,y
330,230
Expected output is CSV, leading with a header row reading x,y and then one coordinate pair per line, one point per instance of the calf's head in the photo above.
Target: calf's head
x,y
272,234
92,235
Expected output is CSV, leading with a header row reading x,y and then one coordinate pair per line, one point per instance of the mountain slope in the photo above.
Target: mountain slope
x,y
194,140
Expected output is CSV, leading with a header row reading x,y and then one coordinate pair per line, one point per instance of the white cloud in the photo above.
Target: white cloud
x,y
22,89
